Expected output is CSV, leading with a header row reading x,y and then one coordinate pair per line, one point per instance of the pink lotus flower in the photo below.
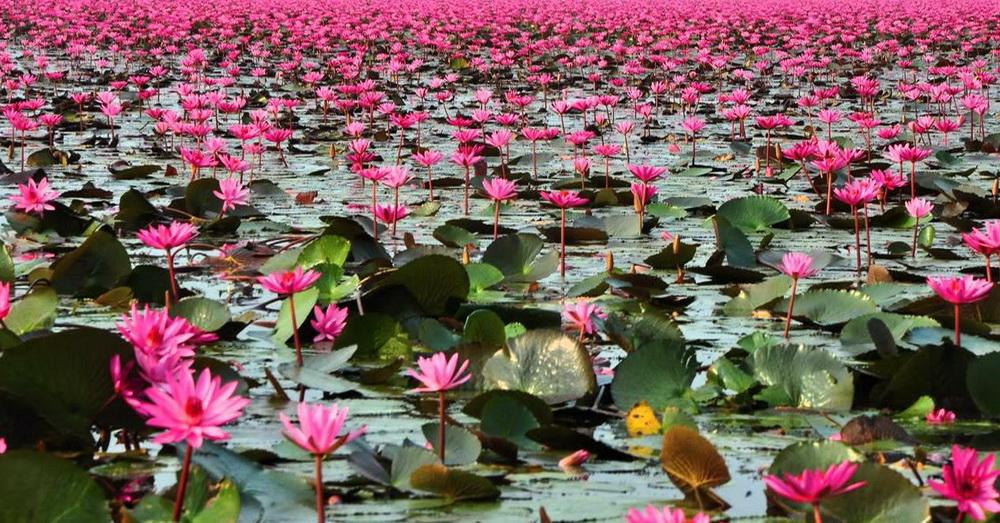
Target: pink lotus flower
x,y
653,514
286,283
35,197
918,208
192,411
646,173
970,482
232,193
3,446
795,265
641,196
4,300
959,290
155,332
498,190
574,460
814,486
986,242
328,323
581,314
440,373
319,431
940,417
167,238
564,199
391,214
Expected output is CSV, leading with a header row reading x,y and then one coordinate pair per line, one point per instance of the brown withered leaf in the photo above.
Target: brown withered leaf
x,y
868,429
694,465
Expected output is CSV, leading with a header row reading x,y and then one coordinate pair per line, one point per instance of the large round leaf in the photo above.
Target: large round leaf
x,y
208,315
808,377
452,485
811,455
658,373
437,283
38,487
887,497
517,257
99,264
36,310
461,447
856,331
753,213
829,307
546,363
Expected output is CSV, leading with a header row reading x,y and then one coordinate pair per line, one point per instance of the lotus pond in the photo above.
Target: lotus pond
x,y
656,262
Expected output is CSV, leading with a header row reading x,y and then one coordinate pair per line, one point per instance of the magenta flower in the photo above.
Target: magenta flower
x,y
498,190
167,238
575,459
154,331
191,411
641,196
319,432
391,214
653,514
286,283
440,374
693,125
986,242
970,482
4,301
646,173
428,159
959,290
3,446
858,193
35,197
328,323
580,315
795,265
940,417
232,193
814,486
918,208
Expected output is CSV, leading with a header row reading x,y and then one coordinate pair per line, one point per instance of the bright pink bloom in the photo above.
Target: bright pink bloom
x,y
580,315
959,289
156,332
35,198
328,323
192,411
564,199
439,373
232,193
285,283
646,173
797,265
3,446
390,214
499,189
653,514
575,459
970,482
319,428
919,207
167,237
4,300
813,486
693,124
940,417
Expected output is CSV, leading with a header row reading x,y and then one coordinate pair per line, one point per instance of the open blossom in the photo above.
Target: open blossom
x,y
564,199
970,482
35,197
654,514
940,417
390,214
581,315
289,282
919,207
4,300
959,289
439,373
813,486
320,429
3,446
232,193
192,411
328,323
646,173
167,237
499,189
797,265
986,240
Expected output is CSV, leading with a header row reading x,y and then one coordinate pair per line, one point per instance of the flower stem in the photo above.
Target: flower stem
x,y
817,517
182,485
295,330
320,504
958,330
441,421
173,277
791,305
496,219
562,243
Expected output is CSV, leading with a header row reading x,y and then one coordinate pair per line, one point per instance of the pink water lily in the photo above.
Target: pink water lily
x,y
958,291
34,197
812,487
970,482
439,374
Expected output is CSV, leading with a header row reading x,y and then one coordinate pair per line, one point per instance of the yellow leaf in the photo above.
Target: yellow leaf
x,y
641,420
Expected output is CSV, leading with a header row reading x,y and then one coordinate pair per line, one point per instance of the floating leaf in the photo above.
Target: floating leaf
x,y
406,461
809,377
856,331
99,264
758,295
208,315
658,373
641,420
484,327
830,307
34,311
981,381
453,485
753,213
304,302
325,249
437,283
886,497
517,257
461,447
546,363
694,465
30,482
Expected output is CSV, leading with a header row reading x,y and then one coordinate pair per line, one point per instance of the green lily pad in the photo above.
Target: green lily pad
x,y
99,264
208,315
830,307
518,258
406,461
809,377
486,328
28,481
758,295
34,311
304,302
856,331
753,213
461,447
886,497
658,373
325,249
545,363
437,283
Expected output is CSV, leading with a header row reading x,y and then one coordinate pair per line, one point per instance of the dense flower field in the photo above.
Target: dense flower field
x,y
663,261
